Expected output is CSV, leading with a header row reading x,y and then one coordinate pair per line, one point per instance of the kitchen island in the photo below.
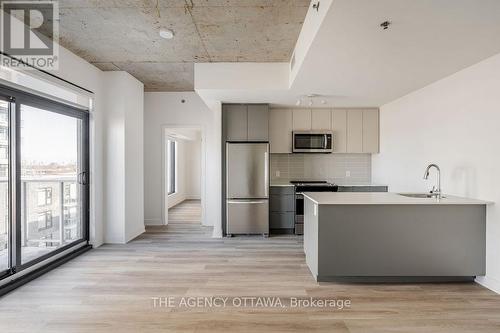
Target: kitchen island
x,y
377,237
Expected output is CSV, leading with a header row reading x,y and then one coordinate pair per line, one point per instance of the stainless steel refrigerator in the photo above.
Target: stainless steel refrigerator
x,y
247,188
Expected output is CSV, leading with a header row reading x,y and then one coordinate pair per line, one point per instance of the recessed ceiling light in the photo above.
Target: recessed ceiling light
x,y
166,33
385,25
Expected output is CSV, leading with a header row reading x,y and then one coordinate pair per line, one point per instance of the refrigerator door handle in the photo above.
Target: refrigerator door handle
x,y
266,174
247,201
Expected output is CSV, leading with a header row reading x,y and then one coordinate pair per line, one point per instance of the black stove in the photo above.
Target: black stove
x,y
314,186
308,186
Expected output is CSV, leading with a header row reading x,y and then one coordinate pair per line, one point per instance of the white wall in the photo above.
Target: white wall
x,y
124,186
455,123
312,23
193,169
163,110
241,76
180,190
188,172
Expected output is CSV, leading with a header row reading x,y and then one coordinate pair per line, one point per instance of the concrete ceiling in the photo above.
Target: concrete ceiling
x,y
124,35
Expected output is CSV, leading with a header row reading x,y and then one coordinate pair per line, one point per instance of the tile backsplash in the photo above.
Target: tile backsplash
x,y
338,168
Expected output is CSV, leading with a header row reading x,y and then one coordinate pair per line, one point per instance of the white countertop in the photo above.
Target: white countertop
x,y
284,183
360,185
385,198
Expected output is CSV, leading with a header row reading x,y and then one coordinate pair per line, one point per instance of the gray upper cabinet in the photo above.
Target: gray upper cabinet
x,y
246,122
235,124
370,131
355,131
321,119
280,130
339,128
301,119
258,122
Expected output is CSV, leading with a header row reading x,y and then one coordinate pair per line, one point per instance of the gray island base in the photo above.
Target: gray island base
x,y
385,237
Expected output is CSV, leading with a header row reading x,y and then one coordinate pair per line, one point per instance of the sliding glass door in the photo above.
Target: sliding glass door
x,y
52,176
46,206
5,225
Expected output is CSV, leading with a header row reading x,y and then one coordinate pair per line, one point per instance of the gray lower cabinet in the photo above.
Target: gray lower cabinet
x,y
281,220
282,209
282,203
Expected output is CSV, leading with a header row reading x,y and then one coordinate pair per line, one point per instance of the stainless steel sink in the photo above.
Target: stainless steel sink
x,y
419,195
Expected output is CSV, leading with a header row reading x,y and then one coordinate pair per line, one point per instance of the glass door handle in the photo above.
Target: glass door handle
x,y
82,178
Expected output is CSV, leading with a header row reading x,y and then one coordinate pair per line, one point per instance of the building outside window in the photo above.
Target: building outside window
x,y
45,220
171,166
4,152
4,133
67,234
70,195
4,169
45,196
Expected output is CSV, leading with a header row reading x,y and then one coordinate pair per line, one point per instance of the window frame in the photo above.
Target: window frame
x,y
17,98
172,172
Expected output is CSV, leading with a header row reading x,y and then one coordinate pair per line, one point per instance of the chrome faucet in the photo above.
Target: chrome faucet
x,y
434,192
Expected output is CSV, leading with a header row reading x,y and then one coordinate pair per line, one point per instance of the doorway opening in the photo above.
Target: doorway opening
x,y
183,172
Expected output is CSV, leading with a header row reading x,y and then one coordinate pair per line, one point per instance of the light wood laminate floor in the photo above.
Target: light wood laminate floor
x,y
110,289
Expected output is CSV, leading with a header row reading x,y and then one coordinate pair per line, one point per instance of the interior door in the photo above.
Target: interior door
x,y
247,170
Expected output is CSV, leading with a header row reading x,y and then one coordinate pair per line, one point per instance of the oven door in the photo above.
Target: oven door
x,y
312,142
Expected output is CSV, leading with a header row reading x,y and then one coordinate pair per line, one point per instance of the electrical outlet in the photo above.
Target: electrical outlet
x,y
277,173
348,174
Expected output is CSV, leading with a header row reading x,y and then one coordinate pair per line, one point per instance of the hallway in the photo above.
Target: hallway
x,y
186,212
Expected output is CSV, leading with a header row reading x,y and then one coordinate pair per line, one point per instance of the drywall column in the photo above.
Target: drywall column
x,y
123,147
213,169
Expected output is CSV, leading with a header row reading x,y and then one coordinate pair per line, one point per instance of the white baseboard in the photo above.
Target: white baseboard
x,y
153,222
175,199
217,233
135,233
114,239
95,245
193,197
489,282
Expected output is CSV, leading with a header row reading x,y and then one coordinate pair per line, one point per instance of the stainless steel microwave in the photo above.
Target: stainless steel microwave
x,y
312,141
